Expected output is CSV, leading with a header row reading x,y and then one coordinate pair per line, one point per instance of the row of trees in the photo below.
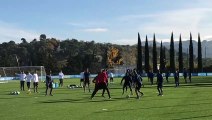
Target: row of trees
x,y
163,63
70,55
73,56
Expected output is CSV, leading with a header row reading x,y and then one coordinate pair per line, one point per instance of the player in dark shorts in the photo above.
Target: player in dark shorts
x,y
151,77
167,76
86,80
101,83
49,82
96,85
160,83
28,80
127,82
81,78
176,78
138,84
185,74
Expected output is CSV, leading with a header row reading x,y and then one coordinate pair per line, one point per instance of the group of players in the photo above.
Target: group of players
x,y
34,77
28,78
131,80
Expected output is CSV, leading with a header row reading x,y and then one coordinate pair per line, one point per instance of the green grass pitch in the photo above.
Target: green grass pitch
x,y
189,101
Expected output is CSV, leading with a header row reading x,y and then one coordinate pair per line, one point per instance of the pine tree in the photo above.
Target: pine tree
x,y
139,55
180,56
199,54
154,55
162,59
146,55
172,54
191,54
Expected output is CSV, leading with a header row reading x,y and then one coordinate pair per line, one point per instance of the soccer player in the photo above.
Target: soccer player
x,y
61,76
167,76
86,80
35,83
185,74
101,83
160,83
22,80
111,77
96,85
138,84
176,78
127,82
49,82
28,80
81,78
151,77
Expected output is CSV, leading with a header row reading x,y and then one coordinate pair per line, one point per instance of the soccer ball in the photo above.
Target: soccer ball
x,y
128,96
17,93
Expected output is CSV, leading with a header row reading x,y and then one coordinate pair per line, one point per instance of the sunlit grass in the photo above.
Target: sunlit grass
x,y
189,101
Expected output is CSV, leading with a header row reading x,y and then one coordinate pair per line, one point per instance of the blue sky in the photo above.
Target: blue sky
x,y
114,21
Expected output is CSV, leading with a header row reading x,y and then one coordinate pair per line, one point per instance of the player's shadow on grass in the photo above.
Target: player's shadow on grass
x,y
195,117
82,100
62,100
158,107
198,85
184,85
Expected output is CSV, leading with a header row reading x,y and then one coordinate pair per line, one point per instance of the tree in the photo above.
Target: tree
x,y
146,55
162,59
139,55
191,55
172,54
23,40
114,57
180,55
199,55
42,37
154,55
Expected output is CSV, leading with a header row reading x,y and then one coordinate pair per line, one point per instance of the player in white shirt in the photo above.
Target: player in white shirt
x,y
61,76
35,81
81,78
22,78
111,77
28,80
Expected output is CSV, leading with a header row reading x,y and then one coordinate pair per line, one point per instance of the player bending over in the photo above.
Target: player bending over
x,y
127,82
101,83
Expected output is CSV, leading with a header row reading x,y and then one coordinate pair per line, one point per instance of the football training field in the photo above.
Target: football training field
x,y
189,101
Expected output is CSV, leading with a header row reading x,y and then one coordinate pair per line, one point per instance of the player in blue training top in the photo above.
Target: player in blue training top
x,y
138,84
151,76
160,83
176,78
127,82
49,82
185,74
86,80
